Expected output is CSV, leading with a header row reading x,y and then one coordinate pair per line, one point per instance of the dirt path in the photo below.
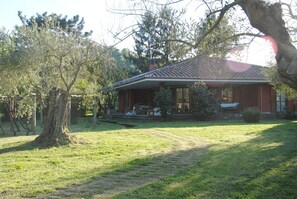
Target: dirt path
x,y
185,152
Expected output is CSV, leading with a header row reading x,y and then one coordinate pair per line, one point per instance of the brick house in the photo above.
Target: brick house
x,y
234,82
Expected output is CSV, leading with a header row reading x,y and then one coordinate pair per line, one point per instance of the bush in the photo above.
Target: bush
x,y
204,103
290,116
251,116
164,100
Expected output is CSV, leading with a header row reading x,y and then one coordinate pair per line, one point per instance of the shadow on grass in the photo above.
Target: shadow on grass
x,y
27,146
85,124
264,167
140,124
135,173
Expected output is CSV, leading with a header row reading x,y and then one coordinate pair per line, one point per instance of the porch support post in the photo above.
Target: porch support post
x,y
261,98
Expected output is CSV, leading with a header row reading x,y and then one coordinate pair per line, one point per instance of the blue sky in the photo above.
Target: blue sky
x,y
98,19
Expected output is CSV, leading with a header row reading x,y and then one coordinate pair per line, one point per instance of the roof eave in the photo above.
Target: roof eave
x,y
191,80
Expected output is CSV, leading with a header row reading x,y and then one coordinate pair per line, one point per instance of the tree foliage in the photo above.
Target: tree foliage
x,y
75,25
203,102
154,39
49,56
275,80
15,88
164,100
251,18
123,61
213,44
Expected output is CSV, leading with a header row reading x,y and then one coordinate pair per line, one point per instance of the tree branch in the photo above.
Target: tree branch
x,y
239,35
293,16
221,15
60,71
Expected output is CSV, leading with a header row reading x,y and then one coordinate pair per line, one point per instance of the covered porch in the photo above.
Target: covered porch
x,y
234,98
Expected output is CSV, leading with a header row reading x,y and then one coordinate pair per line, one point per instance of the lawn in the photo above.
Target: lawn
x,y
156,160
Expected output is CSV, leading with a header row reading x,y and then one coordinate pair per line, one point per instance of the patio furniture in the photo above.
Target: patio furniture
x,y
229,107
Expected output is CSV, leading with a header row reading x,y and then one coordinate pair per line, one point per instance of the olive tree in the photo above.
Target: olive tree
x,y
56,59
15,89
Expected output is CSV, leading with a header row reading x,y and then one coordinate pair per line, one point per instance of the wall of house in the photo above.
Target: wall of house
x,y
257,96
121,101
265,98
292,106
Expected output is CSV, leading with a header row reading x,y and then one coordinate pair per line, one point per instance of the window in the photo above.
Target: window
x,y
182,100
281,103
227,95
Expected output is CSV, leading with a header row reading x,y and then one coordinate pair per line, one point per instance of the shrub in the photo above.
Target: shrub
x,y
164,100
290,116
204,103
251,116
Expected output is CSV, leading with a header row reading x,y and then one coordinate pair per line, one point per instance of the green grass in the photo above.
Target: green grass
x,y
157,160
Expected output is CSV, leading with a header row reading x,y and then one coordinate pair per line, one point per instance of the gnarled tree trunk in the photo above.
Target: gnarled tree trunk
x,y
55,131
268,19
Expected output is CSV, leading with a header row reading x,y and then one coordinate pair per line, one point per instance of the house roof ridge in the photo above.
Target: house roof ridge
x,y
166,67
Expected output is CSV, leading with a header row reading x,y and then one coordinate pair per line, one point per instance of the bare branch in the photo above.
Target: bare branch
x,y
293,16
207,5
60,71
122,39
164,4
115,35
240,35
222,13
225,8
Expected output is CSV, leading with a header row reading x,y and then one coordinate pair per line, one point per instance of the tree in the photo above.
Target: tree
x,y
212,44
153,39
109,68
122,59
15,91
266,18
275,80
164,100
204,104
75,25
55,57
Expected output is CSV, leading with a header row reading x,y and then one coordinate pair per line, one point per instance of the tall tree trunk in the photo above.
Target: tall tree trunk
x,y
1,126
33,117
55,131
10,109
95,111
267,18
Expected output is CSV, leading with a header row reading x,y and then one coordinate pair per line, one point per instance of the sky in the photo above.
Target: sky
x,y
99,18
95,12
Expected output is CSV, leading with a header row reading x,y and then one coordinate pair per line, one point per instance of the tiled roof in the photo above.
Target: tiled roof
x,y
202,69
